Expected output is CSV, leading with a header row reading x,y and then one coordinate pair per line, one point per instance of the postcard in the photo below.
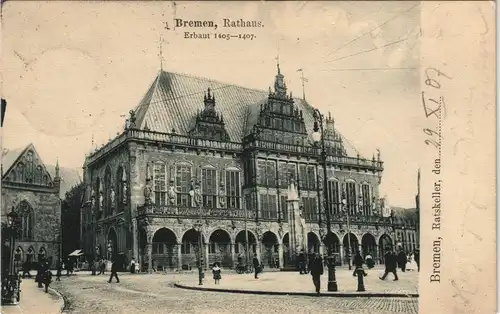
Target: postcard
x,y
248,157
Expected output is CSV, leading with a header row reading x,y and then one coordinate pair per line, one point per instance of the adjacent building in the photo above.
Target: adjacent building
x,y
33,191
201,154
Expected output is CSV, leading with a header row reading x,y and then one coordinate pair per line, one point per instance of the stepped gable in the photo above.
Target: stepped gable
x,y
174,101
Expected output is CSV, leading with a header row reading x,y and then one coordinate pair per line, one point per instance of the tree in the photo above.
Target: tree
x,y
71,208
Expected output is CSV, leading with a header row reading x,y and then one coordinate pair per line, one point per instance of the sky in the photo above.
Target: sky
x,y
72,71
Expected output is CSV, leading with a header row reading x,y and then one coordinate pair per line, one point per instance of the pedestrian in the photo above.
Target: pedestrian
x,y
114,269
316,268
102,266
59,269
256,266
369,261
416,257
132,266
217,273
310,259
358,263
302,262
402,260
26,269
47,279
39,273
93,267
390,264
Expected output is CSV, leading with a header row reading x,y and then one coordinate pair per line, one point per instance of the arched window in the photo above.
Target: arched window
x,y
30,167
107,191
20,172
46,180
42,253
30,254
27,220
38,175
97,194
13,176
120,182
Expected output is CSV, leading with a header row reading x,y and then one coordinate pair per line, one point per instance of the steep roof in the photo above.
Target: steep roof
x,y
173,100
69,177
405,215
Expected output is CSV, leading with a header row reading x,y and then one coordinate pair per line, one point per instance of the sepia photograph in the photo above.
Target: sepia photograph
x,y
209,157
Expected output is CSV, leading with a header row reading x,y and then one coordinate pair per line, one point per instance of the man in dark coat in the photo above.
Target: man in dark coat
x,y
416,257
316,268
310,260
358,264
256,266
114,269
47,279
302,262
390,264
39,273
402,260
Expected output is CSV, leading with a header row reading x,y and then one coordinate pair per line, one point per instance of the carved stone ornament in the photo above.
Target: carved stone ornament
x,y
124,200
222,197
112,197
172,194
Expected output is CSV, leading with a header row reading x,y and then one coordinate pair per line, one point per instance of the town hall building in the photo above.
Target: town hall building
x,y
201,155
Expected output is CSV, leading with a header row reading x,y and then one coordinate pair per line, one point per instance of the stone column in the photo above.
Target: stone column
x,y
207,263
321,249
135,244
280,253
179,255
341,254
257,249
149,247
233,254
360,248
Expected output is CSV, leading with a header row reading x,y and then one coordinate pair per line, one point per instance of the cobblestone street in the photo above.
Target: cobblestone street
x,y
155,294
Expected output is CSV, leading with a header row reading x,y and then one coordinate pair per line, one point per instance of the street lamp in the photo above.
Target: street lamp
x,y
10,287
318,136
196,196
346,210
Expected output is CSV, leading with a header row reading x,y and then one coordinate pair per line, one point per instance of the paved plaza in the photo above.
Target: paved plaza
x,y
35,300
293,282
156,294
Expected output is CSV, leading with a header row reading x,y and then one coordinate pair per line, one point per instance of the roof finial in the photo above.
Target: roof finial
x,y
278,63
161,53
57,167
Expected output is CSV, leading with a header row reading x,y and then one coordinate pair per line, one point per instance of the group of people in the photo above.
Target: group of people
x,y
394,261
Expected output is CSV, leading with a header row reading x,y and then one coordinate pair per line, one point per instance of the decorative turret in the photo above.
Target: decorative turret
x,y
279,84
209,124
57,177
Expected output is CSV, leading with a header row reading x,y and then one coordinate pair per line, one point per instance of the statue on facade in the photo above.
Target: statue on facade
x,y
124,196
92,198
197,195
148,192
112,197
172,194
222,197
101,200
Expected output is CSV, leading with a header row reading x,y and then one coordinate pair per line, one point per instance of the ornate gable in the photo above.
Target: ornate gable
x,y
209,124
28,168
279,118
334,142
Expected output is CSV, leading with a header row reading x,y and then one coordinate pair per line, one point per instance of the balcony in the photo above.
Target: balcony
x,y
194,212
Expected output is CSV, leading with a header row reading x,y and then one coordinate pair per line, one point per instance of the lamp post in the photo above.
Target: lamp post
x,y
348,221
11,290
319,136
195,194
